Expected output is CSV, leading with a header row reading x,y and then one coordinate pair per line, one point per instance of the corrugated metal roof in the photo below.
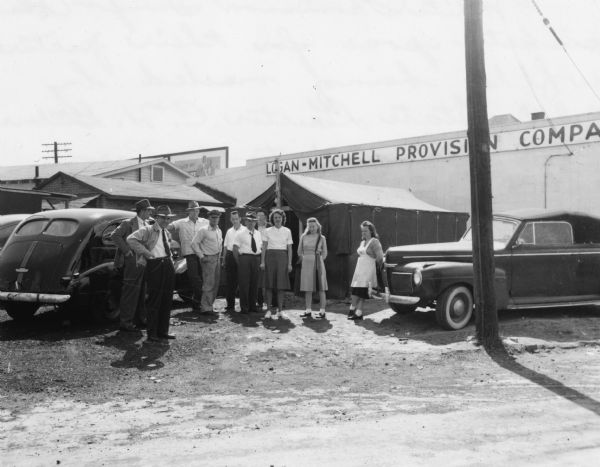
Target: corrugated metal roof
x,y
129,189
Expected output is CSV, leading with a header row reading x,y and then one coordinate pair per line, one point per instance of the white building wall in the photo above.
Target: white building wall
x,y
521,178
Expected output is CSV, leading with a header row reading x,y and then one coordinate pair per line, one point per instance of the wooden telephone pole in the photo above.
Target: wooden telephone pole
x,y
486,316
56,150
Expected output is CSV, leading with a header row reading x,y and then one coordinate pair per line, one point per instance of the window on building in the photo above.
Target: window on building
x,y
158,173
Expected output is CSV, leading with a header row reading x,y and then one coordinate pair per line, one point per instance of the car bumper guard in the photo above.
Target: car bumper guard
x,y
31,297
400,299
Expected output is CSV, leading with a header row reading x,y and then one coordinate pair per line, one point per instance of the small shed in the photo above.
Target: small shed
x,y
400,219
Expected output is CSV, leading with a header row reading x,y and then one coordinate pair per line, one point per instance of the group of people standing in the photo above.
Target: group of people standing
x,y
257,258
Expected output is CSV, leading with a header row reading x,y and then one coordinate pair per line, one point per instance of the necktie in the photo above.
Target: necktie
x,y
253,242
165,243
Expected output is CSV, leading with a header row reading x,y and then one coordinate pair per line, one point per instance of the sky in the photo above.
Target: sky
x,y
118,78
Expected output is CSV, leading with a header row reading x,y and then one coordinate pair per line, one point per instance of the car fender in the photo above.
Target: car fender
x,y
439,275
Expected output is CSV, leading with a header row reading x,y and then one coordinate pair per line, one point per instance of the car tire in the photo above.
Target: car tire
x,y
454,307
21,311
402,309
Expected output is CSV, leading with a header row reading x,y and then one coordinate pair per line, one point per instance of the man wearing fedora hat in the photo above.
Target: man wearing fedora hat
x,y
247,247
186,229
151,245
131,306
208,245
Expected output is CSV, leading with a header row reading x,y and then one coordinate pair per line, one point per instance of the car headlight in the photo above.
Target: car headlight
x,y
417,277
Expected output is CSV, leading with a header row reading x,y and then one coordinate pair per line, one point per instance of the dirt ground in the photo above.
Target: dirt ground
x,y
235,389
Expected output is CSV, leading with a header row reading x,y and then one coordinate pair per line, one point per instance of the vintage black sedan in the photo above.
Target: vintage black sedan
x,y
542,259
63,257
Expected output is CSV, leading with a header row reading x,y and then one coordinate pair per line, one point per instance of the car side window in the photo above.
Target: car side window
x,y
553,233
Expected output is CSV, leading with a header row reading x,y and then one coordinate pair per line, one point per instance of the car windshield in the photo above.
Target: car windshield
x,y
503,231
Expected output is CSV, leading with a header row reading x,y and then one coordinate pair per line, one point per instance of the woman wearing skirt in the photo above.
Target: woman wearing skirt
x,y
276,260
370,254
312,251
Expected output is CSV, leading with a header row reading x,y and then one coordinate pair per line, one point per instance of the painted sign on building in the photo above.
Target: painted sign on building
x,y
561,135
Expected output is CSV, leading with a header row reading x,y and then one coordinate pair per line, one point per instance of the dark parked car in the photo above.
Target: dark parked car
x,y
8,223
543,259
63,257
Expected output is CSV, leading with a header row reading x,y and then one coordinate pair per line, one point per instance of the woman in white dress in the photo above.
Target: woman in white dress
x,y
312,251
370,255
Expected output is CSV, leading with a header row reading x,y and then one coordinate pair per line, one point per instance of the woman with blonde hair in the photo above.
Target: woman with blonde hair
x,y
370,255
312,251
276,260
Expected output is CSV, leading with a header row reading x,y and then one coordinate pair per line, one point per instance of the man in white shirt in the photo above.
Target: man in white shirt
x,y
186,229
247,248
231,268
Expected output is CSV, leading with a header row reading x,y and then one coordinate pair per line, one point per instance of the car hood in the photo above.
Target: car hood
x,y
446,251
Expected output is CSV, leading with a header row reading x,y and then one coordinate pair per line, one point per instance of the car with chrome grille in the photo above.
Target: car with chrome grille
x,y
542,259
65,258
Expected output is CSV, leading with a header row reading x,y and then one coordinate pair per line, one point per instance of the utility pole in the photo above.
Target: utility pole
x,y
486,316
277,184
55,150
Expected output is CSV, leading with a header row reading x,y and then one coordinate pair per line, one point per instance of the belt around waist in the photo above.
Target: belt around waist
x,y
250,254
162,258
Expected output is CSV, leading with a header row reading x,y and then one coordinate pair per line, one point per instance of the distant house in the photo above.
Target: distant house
x,y
153,170
122,194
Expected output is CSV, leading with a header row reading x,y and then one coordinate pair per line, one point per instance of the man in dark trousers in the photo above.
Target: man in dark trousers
x,y
229,262
151,245
247,247
132,307
187,228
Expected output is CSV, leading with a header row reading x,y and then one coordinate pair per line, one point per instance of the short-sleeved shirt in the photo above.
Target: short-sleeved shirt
x,y
208,241
187,229
278,238
230,236
243,240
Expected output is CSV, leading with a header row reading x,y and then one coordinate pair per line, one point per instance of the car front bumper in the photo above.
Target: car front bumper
x,y
401,299
31,297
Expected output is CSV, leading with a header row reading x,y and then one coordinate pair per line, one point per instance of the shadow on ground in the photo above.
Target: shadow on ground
x,y
560,324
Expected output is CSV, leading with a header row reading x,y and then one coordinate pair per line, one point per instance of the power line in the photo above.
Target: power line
x,y
530,84
56,150
546,22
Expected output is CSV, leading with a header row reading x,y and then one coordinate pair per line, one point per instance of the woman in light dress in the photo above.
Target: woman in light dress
x,y
276,260
370,255
312,251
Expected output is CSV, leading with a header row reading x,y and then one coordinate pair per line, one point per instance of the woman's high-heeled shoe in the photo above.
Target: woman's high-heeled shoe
x,y
356,317
351,313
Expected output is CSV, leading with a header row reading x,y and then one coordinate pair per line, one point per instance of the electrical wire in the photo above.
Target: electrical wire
x,y
546,22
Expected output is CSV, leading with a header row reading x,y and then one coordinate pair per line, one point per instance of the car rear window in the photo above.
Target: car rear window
x,y
32,227
61,227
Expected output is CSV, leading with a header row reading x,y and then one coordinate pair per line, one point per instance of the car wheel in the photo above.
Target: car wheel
x,y
403,309
21,311
454,307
